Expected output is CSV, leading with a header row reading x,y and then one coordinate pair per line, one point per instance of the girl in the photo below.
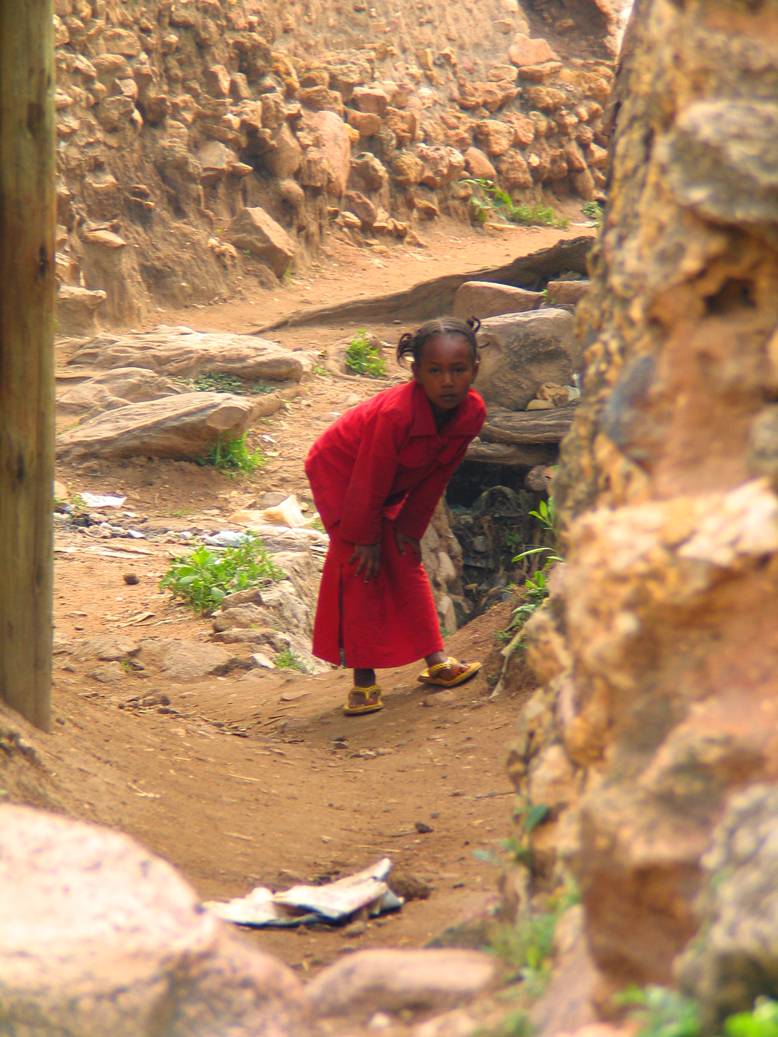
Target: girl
x,y
376,475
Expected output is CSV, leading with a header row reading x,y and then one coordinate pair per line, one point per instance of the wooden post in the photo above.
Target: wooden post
x,y
27,220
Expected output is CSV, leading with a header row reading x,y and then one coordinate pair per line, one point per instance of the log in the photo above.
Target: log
x,y
27,221
528,426
512,456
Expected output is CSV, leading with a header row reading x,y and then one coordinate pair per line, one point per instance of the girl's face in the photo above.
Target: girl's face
x,y
445,370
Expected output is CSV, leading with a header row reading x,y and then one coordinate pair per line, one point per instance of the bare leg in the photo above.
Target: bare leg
x,y
364,678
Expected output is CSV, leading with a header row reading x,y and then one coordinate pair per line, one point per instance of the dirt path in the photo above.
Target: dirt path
x,y
256,777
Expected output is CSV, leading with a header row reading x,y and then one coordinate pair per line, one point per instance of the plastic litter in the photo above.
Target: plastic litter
x,y
100,500
334,903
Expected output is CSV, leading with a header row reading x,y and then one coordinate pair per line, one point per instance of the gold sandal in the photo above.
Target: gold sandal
x,y
363,700
430,675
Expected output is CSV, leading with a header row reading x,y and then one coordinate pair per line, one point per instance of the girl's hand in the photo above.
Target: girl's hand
x,y
368,560
403,541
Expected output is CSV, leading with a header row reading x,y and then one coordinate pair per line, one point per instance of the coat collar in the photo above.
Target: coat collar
x,y
423,422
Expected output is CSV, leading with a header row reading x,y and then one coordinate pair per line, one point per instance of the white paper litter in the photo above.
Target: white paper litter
x,y
99,500
332,903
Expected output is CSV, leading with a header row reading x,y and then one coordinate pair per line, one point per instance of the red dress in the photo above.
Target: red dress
x,y
382,465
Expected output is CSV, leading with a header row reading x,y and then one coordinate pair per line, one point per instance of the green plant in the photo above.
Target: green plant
x,y
362,357
220,381
762,1021
77,503
234,455
488,197
205,577
661,1012
287,660
516,1024
594,212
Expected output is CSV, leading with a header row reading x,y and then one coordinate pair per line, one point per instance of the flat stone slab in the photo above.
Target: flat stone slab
x,y
183,353
184,427
484,299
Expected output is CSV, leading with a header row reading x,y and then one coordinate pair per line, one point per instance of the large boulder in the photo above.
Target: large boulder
x,y
519,352
98,936
185,426
484,299
183,353
258,233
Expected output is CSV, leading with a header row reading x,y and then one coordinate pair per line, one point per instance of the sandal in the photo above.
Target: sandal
x,y
363,700
433,674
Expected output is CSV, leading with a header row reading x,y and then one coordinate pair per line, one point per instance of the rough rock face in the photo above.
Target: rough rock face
x,y
659,649
175,119
101,937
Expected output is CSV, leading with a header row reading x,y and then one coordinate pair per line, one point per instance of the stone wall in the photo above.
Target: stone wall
x,y
175,116
659,650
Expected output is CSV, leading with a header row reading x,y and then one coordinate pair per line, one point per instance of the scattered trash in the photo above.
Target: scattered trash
x,y
333,903
226,538
101,500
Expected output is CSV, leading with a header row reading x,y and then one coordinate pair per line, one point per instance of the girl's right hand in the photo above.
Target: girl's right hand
x,y
368,560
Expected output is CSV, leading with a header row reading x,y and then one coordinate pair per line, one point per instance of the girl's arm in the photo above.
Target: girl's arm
x,y
417,509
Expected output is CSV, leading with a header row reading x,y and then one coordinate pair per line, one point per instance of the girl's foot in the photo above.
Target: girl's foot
x,y
363,700
449,673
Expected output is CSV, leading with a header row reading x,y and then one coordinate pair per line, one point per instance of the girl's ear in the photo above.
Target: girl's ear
x,y
476,365
415,371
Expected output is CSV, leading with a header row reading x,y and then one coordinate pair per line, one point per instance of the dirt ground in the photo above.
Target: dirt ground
x,y
256,777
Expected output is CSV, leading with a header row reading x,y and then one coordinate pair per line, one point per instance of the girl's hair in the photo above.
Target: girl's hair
x,y
412,343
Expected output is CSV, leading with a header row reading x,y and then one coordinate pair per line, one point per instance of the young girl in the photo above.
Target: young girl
x,y
376,475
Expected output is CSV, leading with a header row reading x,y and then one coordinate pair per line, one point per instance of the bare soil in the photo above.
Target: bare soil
x,y
256,777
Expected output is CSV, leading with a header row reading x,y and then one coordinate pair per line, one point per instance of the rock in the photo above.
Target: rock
x,y
331,150
513,171
519,352
249,596
76,310
526,51
721,159
495,137
185,660
397,981
216,160
115,388
569,293
245,615
365,123
182,353
107,648
258,233
102,937
735,959
368,173
407,168
287,156
484,299
185,426
478,165
370,99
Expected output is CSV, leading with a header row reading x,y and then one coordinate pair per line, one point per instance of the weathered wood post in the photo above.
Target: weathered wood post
x,y
27,219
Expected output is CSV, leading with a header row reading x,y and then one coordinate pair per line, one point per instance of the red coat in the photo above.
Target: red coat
x,y
383,464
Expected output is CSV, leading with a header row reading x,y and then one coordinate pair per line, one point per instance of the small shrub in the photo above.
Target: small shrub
x,y
593,211
489,198
515,1024
761,1022
206,576
362,357
220,381
287,660
234,455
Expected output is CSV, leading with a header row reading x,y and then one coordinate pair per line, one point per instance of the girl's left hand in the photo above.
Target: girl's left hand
x,y
403,541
